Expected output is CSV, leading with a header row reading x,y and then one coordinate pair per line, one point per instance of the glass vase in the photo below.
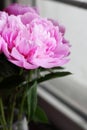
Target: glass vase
x,y
18,125
21,124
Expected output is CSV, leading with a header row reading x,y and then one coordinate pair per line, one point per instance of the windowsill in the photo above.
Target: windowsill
x,y
41,126
58,110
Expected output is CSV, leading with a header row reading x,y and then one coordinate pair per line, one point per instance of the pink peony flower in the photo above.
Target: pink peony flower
x,y
31,41
3,21
18,9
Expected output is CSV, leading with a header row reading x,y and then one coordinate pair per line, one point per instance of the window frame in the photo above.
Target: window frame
x,y
58,110
77,3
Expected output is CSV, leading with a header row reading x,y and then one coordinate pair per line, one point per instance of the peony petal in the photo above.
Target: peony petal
x,y
28,17
50,62
16,55
3,20
18,9
23,64
61,27
19,60
5,49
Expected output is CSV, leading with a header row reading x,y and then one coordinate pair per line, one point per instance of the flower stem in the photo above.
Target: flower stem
x,y
2,115
12,111
12,116
22,105
24,95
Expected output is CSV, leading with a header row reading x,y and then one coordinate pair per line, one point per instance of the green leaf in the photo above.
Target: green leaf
x,y
46,77
54,68
52,75
40,116
58,68
32,100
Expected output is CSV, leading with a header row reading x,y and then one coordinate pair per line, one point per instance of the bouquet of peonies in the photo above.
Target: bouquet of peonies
x,y
29,46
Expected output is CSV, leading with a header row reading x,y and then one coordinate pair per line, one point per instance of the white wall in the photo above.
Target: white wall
x,y
75,21
72,88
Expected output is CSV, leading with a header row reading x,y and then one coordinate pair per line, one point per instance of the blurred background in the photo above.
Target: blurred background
x,y
66,97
